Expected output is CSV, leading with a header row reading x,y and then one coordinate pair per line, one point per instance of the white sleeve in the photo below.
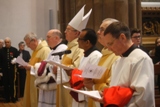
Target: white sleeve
x,y
32,71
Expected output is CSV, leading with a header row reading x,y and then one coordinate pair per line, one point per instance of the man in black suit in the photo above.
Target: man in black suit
x,y
22,71
136,39
7,54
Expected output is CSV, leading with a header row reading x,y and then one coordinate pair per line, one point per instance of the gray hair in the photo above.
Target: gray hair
x,y
21,43
2,40
58,33
30,36
7,38
110,19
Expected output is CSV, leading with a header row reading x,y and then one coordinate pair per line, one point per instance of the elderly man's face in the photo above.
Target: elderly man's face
x,y
51,39
70,33
1,44
30,43
100,33
7,43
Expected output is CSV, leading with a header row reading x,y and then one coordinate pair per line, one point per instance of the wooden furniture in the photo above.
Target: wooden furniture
x,y
157,73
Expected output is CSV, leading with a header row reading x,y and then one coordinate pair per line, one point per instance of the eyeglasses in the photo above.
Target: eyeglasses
x,y
101,29
68,29
136,37
111,43
82,39
29,42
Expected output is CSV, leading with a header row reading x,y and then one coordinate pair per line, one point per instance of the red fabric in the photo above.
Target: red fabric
x,y
117,95
76,83
41,68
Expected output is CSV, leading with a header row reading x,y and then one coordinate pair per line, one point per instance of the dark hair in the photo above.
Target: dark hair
x,y
21,43
156,41
116,28
134,30
90,35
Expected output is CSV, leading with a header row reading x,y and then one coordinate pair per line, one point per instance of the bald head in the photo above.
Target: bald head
x,y
53,37
105,23
1,43
55,32
7,41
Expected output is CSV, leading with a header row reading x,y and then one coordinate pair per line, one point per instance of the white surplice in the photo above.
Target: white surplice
x,y
135,71
93,59
47,92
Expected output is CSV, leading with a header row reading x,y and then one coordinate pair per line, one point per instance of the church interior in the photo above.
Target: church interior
x,y
40,16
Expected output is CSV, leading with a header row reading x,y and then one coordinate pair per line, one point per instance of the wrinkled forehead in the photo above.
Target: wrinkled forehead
x,y
105,24
70,27
7,41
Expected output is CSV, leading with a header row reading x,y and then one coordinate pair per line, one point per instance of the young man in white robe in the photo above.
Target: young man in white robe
x,y
133,71
87,41
46,82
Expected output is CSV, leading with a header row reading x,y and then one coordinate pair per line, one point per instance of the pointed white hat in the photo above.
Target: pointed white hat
x,y
79,21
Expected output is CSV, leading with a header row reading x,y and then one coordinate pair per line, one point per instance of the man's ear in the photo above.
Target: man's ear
x,y
78,33
122,37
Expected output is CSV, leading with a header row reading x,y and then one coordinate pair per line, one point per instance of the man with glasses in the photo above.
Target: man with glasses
x,y
46,81
133,71
71,60
40,52
72,32
136,39
87,41
107,59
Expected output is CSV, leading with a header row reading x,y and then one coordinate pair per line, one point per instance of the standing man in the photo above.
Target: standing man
x,y
22,71
87,41
1,46
1,43
107,59
40,52
72,32
46,82
136,39
7,54
134,70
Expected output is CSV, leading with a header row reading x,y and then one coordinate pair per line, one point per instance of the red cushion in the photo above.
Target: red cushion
x,y
117,95
76,83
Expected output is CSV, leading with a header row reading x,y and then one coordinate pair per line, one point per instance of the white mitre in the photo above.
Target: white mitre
x,y
79,21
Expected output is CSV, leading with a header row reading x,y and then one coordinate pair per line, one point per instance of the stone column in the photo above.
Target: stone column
x,y
132,9
121,10
139,14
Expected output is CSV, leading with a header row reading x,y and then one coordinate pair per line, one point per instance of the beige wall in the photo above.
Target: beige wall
x,y
18,17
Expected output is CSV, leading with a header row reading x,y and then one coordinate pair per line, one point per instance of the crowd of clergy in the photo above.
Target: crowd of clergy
x,y
128,80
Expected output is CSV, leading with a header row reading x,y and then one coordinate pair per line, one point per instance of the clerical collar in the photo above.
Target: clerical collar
x,y
56,46
87,53
129,50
